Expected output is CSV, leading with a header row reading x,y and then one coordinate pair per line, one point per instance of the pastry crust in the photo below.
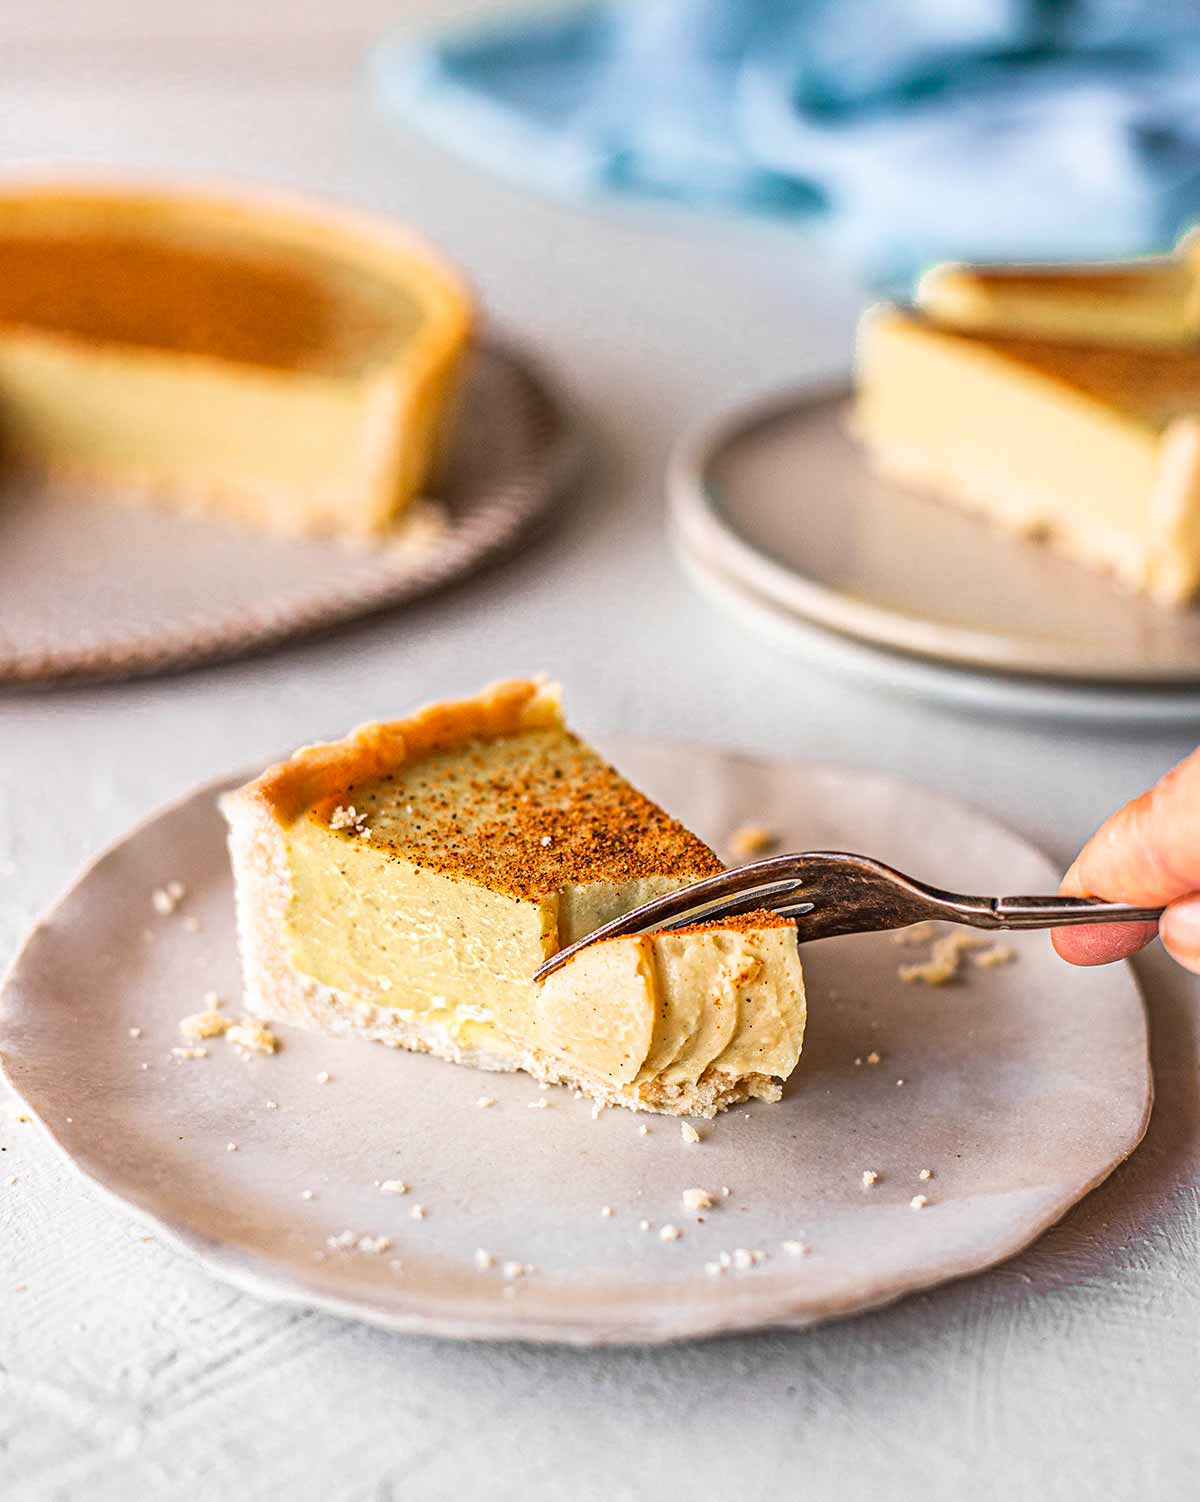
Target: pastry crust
x,y
321,771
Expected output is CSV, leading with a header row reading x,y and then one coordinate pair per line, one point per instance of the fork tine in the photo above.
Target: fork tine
x,y
775,898
760,883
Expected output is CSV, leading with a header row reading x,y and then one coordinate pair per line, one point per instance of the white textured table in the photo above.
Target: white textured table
x,y
1069,1373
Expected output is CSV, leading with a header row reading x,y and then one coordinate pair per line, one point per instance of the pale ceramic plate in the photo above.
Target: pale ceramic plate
x,y
1007,694
96,589
1023,1087
777,494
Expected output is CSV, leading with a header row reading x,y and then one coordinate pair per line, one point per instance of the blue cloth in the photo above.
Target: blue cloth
x,y
912,129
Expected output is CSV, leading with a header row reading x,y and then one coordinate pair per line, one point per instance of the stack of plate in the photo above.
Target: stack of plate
x,y
777,517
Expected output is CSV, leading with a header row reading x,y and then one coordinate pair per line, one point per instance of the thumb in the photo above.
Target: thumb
x,y
1147,853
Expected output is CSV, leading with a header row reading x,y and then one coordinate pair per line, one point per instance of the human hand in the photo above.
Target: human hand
x,y
1147,853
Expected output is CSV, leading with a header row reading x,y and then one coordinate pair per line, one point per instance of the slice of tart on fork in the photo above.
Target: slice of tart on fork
x,y
405,883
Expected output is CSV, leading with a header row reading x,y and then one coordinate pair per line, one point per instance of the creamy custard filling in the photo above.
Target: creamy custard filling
x,y
440,948
237,298
668,1008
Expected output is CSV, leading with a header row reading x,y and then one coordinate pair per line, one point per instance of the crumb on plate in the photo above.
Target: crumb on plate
x,y
752,839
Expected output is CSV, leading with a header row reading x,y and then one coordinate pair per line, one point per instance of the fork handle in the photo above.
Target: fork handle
x,y
1057,912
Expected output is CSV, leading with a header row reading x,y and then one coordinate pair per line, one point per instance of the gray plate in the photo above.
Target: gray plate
x,y
1007,694
94,589
1023,1087
776,495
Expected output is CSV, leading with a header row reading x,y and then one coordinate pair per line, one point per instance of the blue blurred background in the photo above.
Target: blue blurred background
x,y
905,130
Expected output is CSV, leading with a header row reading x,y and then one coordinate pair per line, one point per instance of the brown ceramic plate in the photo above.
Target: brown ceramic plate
x,y
777,494
92,589
1023,1088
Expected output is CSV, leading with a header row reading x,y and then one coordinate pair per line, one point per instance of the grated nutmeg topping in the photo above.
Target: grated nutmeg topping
x,y
526,814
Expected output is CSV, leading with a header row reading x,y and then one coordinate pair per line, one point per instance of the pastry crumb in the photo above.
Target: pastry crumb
x,y
714,1269
252,1036
598,1109
874,1058
419,1212
870,1177
670,1233
190,1051
513,1270
346,816
996,954
689,1133
231,1147
538,1105
208,1024
643,1225
919,1201
606,1212
698,1199
752,839
744,1259
484,1261
795,1248
643,1131
307,1194
166,899
944,963
926,1173
371,1246
135,1032
324,1077
393,1186
271,1105
485,1101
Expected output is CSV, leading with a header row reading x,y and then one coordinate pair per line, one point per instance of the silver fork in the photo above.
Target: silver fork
x,y
831,893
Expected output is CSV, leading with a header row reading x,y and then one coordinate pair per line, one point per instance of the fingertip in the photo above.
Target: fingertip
x,y
1103,943
1181,932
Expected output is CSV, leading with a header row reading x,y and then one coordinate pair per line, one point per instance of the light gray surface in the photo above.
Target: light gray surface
x,y
1071,1373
